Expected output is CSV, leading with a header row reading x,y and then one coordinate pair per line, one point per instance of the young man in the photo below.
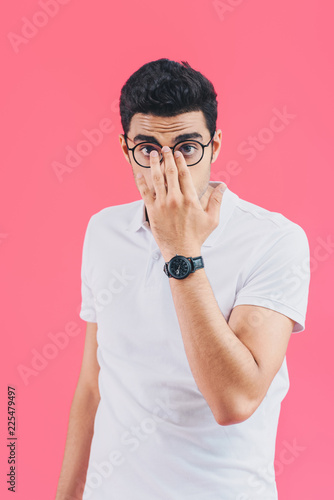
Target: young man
x,y
190,296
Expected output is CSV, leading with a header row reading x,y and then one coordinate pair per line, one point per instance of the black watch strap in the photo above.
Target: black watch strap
x,y
197,263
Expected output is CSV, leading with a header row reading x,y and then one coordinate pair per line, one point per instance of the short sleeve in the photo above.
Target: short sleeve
x,y
279,280
87,311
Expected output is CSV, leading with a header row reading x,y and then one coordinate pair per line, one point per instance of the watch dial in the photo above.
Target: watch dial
x,y
179,267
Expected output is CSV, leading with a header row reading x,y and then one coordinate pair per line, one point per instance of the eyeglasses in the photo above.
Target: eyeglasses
x,y
192,151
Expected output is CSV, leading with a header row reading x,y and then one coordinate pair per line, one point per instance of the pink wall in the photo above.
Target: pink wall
x,y
65,76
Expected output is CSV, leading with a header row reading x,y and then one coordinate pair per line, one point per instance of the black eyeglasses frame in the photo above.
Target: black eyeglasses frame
x,y
172,148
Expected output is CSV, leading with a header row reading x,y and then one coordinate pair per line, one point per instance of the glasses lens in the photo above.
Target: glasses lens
x,y
142,153
192,152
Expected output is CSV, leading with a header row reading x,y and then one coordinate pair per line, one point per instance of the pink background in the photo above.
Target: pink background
x,y
67,77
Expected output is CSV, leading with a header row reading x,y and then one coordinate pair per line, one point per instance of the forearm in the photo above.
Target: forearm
x,y
224,369
77,448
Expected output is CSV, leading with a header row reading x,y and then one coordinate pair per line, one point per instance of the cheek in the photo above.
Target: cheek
x,y
196,174
200,175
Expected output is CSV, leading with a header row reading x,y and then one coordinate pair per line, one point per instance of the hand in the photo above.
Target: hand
x,y
177,220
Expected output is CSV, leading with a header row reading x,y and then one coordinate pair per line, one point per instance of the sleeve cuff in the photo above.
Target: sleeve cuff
x,y
275,306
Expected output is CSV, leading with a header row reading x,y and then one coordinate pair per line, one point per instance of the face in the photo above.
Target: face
x,y
165,130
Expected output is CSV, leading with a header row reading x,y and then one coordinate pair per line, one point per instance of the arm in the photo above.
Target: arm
x,y
81,423
233,363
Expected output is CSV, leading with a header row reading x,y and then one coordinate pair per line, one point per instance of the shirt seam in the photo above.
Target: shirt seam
x,y
272,300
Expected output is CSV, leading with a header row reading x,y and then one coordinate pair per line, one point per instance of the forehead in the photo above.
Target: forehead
x,y
168,128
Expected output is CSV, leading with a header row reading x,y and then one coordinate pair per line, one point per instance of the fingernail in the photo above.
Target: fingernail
x,y
139,175
154,153
165,149
177,154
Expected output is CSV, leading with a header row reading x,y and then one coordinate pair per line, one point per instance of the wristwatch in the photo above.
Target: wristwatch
x,y
180,267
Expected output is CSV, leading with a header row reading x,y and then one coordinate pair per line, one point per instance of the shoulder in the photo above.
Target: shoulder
x,y
114,217
265,227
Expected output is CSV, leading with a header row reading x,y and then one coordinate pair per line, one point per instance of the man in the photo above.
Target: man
x,y
190,296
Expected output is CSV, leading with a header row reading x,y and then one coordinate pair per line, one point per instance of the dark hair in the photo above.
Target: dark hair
x,y
167,88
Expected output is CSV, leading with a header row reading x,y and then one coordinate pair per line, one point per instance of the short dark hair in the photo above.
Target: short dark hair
x,y
168,88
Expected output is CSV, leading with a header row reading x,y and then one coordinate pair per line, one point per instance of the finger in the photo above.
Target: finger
x,y
215,201
144,190
171,171
185,179
158,179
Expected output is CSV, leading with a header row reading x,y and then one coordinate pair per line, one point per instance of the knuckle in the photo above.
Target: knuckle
x,y
183,172
162,204
173,201
156,177
188,200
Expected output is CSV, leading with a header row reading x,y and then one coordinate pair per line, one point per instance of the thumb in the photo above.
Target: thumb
x,y
216,199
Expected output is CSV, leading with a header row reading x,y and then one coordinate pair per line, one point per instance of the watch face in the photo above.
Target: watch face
x,y
179,267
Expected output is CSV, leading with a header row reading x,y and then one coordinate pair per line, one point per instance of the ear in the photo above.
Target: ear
x,y
124,147
216,145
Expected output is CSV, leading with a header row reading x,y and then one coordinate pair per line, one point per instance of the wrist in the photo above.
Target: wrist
x,y
181,266
193,252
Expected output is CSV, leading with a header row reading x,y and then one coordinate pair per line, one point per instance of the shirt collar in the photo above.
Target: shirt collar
x,y
227,205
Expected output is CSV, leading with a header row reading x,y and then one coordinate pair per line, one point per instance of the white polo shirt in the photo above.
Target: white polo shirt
x,y
155,437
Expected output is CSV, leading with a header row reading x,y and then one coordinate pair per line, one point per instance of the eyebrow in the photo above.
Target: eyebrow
x,y
178,138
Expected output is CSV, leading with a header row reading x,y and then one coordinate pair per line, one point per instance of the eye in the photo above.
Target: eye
x,y
147,148
188,148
